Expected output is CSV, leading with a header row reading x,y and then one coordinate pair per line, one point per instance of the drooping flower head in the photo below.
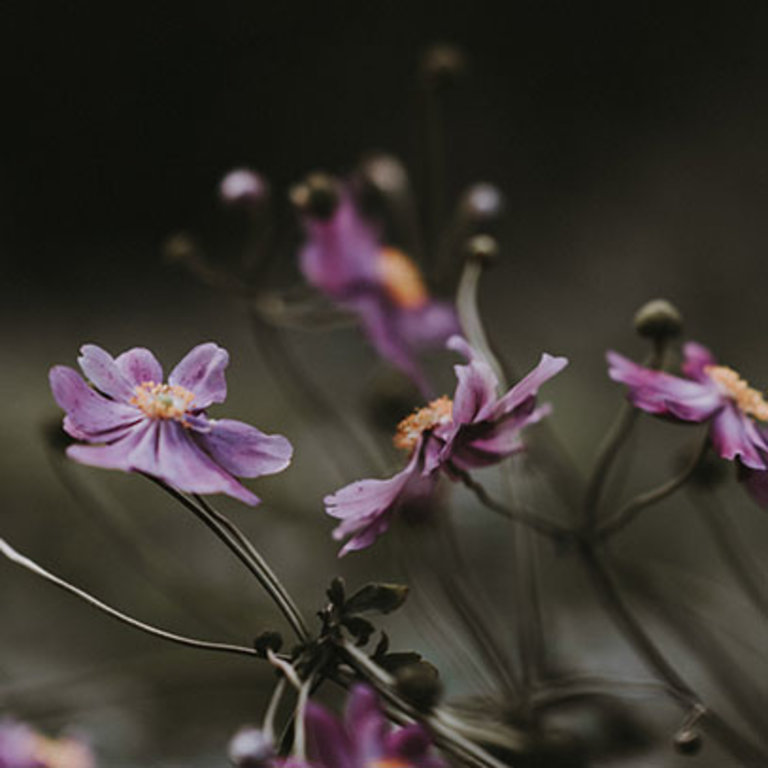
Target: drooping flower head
x,y
365,738
129,419
23,747
477,428
346,258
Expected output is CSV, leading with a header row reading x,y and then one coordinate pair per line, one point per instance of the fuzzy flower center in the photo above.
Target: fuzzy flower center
x,y
388,763
747,399
411,428
162,401
401,279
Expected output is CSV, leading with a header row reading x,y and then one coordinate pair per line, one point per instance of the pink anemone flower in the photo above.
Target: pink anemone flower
x,y
128,419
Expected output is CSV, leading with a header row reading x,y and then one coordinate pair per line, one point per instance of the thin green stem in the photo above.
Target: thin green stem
x,y
16,557
222,531
628,512
524,517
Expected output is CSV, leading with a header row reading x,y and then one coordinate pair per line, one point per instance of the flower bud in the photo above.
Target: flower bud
x,y
658,320
384,172
317,195
268,641
482,203
443,64
243,187
251,748
482,248
420,684
688,742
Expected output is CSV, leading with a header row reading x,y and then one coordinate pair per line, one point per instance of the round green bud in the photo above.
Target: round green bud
x,y
483,248
658,320
317,195
419,684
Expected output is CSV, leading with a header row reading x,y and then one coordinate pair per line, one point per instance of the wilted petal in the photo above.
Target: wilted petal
x,y
733,434
89,414
327,741
201,371
696,357
184,465
244,450
100,368
139,365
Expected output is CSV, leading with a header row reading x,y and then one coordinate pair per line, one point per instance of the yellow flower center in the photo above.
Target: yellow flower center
x,y
162,401
62,753
388,763
748,400
411,428
401,279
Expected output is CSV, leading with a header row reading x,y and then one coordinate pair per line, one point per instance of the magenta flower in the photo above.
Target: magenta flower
x,y
134,422
365,739
344,257
710,392
475,429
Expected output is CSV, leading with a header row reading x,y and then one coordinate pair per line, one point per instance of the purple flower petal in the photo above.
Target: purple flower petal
x,y
244,450
429,325
201,372
528,386
756,483
412,744
662,393
184,465
89,414
327,741
135,450
102,370
734,434
139,365
696,357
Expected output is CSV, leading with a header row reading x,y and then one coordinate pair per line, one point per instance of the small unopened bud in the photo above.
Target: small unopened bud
x,y
443,63
482,203
243,187
688,742
268,641
658,320
251,748
483,248
420,684
384,172
180,248
317,195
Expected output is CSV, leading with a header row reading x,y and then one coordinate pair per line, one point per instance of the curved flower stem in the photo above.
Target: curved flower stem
x,y
739,746
539,524
255,565
441,724
16,557
628,512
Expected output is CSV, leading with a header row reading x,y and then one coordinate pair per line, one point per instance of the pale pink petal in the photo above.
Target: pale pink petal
x,y
139,365
103,372
185,466
528,386
734,435
134,451
696,357
327,741
244,450
89,414
201,371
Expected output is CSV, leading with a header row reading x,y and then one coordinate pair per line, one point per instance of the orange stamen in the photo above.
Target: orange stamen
x,y
162,401
411,428
748,400
401,279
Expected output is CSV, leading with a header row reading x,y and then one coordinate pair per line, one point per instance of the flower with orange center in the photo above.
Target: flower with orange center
x,y
401,279
750,401
410,430
162,401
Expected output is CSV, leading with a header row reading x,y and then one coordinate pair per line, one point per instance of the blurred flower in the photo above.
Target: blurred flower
x,y
710,392
22,747
475,429
365,739
344,257
136,423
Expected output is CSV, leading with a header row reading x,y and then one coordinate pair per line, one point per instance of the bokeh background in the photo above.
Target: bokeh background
x,y
631,142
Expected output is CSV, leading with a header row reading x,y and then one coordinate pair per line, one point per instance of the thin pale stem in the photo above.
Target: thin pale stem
x,y
739,746
533,521
254,566
190,642
628,512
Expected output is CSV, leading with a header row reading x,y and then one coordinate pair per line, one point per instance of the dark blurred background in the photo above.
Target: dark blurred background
x,y
631,141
